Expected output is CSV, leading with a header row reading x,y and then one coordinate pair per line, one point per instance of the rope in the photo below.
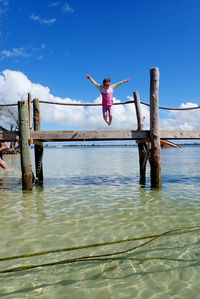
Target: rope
x,y
102,257
168,108
7,105
87,104
122,103
69,104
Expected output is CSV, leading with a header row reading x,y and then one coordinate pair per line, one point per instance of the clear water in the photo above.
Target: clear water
x,y
91,195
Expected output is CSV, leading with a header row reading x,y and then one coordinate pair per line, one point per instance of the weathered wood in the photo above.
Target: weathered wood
x,y
29,111
99,135
142,146
9,136
179,134
155,158
38,149
140,119
37,136
25,152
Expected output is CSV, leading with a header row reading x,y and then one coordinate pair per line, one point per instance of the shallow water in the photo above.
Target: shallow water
x,y
91,195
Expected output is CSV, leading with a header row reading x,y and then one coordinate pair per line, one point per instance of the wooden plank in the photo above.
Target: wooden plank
x,y
179,134
99,135
9,136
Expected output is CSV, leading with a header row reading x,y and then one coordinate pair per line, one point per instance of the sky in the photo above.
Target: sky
x,y
48,46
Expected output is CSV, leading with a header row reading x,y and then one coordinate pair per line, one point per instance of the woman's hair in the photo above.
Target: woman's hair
x,y
106,80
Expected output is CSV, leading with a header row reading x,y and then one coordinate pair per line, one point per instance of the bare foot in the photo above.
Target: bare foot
x,y
109,123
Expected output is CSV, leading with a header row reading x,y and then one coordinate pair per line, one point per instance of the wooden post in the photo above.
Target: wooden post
x,y
25,150
155,159
29,111
38,147
142,146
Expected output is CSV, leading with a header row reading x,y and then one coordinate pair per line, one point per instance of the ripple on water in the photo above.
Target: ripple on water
x,y
92,196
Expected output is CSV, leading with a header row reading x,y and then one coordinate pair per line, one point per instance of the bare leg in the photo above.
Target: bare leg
x,y
3,165
110,115
105,110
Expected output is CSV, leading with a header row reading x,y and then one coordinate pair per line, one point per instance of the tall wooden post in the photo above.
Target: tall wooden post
x,y
25,150
29,111
38,147
155,159
142,146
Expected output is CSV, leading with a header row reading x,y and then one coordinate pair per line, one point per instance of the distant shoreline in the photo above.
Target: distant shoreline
x,y
106,145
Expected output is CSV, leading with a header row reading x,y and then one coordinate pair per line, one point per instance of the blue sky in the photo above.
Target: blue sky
x,y
54,44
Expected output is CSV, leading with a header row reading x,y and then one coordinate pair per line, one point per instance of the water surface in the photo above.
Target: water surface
x,y
91,195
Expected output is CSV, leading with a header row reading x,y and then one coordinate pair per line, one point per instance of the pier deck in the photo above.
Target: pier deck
x,y
99,135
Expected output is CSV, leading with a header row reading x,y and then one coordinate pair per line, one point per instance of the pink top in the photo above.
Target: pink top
x,y
107,94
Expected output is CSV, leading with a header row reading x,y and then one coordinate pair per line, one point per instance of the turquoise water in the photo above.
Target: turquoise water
x,y
91,195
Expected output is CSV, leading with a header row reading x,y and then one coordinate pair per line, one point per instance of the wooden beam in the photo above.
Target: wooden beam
x,y
9,136
29,111
25,151
39,136
142,146
102,135
179,134
99,135
155,157
38,149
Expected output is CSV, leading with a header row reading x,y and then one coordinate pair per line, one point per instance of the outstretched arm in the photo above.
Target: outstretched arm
x,y
114,86
93,82
3,146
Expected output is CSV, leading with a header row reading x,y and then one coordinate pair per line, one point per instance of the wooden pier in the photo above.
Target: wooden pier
x,y
148,140
98,135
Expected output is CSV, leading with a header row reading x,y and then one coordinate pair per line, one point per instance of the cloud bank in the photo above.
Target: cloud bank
x,y
14,86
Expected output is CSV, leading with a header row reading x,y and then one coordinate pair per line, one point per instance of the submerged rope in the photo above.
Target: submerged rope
x,y
101,257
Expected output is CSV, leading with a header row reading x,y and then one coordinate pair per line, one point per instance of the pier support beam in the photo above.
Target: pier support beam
x,y
38,147
25,150
142,146
155,158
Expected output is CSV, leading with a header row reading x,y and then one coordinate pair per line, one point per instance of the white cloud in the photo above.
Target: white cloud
x,y
15,86
42,21
181,119
66,8
53,4
15,52
23,52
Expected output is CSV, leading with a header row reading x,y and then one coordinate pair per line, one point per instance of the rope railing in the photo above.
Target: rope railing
x,y
69,104
89,104
7,105
168,108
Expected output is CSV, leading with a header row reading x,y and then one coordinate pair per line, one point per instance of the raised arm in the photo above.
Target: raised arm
x,y
4,145
93,82
114,86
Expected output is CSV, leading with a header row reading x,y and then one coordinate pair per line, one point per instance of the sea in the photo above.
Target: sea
x,y
92,231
